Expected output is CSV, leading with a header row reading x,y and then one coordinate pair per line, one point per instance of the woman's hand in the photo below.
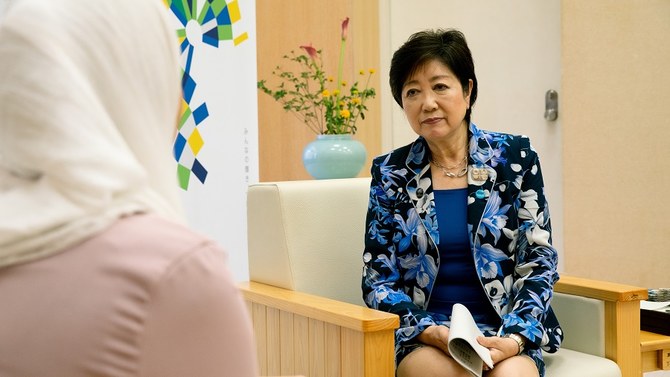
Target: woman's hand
x,y
436,336
501,348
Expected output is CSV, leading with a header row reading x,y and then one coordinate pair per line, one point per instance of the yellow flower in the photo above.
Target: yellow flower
x,y
372,71
327,104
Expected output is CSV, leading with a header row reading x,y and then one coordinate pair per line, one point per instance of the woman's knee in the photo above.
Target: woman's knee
x,y
429,361
517,366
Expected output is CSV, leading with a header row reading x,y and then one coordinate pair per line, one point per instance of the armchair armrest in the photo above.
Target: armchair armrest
x,y
622,317
299,333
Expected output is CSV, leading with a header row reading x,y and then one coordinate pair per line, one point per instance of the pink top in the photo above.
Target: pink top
x,y
147,297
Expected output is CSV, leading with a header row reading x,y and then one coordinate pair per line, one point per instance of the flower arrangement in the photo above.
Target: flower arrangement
x,y
310,94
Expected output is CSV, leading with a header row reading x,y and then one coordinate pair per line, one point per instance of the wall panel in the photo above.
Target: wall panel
x,y
616,86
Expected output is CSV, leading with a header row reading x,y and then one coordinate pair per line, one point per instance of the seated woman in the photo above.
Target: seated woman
x,y
458,216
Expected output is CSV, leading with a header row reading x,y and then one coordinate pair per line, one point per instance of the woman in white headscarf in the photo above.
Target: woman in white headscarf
x,y
98,277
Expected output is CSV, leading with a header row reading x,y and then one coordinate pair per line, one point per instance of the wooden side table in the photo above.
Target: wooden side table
x,y
655,349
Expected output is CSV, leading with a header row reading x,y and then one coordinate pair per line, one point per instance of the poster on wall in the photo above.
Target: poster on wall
x,y
216,147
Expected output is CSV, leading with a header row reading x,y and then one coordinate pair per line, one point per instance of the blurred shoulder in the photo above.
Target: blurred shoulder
x,y
150,228
149,243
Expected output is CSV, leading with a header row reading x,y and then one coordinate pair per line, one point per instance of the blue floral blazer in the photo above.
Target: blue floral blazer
x,y
510,237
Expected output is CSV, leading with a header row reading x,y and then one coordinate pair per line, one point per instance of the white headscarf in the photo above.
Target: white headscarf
x,y
89,96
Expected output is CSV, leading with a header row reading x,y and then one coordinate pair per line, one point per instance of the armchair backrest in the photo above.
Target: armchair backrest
x,y
584,328
308,236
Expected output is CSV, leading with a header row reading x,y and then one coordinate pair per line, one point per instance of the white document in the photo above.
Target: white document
x,y
462,343
654,305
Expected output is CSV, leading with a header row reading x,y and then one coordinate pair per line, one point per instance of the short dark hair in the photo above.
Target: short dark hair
x,y
447,46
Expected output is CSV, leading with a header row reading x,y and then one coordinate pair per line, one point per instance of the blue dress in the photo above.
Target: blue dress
x,y
457,280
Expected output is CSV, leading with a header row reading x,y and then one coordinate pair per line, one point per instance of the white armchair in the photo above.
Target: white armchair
x,y
305,249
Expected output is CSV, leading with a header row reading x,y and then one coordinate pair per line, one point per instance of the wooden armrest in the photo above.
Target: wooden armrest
x,y
299,333
339,313
622,318
598,289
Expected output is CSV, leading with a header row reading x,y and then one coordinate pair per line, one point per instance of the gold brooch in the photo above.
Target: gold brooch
x,y
479,174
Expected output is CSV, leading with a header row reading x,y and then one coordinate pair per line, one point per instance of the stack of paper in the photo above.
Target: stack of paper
x,y
655,316
659,294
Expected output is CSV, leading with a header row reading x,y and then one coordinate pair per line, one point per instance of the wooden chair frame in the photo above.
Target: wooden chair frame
x,y
299,333
622,318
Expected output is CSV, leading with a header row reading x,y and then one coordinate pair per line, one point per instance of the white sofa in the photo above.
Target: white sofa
x,y
305,263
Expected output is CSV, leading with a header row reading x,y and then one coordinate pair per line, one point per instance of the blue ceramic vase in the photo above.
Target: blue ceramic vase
x,y
334,156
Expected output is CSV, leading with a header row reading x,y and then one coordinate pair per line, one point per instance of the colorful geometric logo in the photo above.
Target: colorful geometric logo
x,y
214,24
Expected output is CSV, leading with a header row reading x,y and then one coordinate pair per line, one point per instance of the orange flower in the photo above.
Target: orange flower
x,y
311,51
345,28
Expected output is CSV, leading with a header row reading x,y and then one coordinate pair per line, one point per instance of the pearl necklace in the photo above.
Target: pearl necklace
x,y
447,173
